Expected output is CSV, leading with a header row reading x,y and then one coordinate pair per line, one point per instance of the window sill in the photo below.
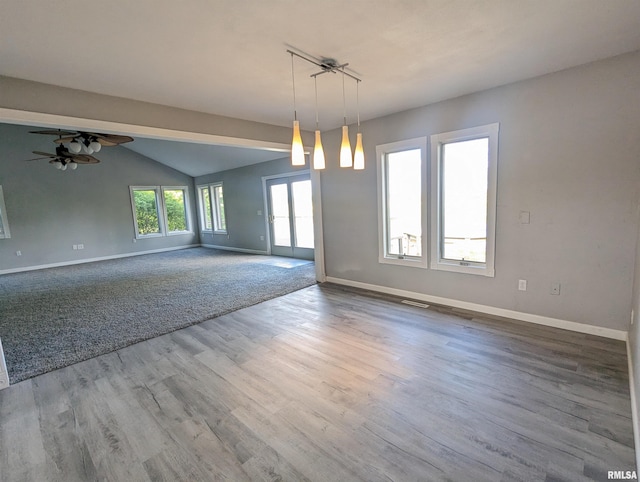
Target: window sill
x,y
455,267
409,262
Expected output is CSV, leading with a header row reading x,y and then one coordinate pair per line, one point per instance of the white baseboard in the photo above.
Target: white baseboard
x,y
91,260
4,375
490,310
634,406
239,250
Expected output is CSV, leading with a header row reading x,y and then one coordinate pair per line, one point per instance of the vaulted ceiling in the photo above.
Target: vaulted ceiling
x,y
229,57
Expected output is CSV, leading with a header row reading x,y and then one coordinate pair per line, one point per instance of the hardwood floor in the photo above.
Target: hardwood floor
x,y
324,384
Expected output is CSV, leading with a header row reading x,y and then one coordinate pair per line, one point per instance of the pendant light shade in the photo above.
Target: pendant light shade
x,y
318,153
297,149
358,157
346,160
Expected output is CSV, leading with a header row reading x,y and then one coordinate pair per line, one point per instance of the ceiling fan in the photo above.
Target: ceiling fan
x,y
63,158
89,142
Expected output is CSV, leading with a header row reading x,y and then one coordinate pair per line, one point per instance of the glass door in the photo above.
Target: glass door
x,y
291,216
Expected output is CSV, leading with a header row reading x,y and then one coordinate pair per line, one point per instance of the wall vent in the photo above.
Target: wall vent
x,y
4,376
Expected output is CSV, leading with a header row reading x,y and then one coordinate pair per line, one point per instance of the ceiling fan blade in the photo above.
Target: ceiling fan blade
x,y
64,140
115,139
56,132
40,153
84,159
37,159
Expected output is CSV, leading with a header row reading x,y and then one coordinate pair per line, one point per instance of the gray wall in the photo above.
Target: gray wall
x,y
634,348
568,153
49,210
243,197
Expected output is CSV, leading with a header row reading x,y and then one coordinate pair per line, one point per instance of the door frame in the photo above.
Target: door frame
x,y
317,215
292,250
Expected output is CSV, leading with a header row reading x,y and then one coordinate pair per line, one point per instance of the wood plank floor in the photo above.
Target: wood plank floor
x,y
330,384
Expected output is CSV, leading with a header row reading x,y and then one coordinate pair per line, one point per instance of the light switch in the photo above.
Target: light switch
x,y
525,217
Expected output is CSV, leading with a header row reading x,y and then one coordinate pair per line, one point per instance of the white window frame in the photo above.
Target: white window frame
x,y
381,154
202,209
187,211
162,211
157,190
5,232
215,209
489,131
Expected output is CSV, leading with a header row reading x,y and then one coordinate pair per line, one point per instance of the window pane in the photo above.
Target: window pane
x,y
280,213
205,208
404,210
176,214
303,213
146,211
221,222
464,197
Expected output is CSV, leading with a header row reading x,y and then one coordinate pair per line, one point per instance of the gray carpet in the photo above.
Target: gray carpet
x,y
59,316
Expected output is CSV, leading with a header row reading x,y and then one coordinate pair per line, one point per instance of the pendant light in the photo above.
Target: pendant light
x,y
346,159
358,157
297,150
318,151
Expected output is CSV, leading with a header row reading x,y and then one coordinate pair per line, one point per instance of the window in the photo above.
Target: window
x,y
401,198
146,212
175,205
211,204
4,222
463,200
160,211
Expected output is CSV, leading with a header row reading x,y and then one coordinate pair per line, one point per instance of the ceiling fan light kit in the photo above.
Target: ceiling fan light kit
x,y
347,158
77,141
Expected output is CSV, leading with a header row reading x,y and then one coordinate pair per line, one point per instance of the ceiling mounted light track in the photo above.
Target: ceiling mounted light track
x,y
347,159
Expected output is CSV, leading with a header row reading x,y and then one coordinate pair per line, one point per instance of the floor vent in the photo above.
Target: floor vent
x,y
415,303
4,376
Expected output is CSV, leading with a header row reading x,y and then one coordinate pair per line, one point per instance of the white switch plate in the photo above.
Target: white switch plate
x,y
525,217
555,288
522,285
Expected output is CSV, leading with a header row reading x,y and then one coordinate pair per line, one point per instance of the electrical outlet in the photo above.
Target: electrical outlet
x,y
75,247
18,253
555,288
81,246
261,238
522,285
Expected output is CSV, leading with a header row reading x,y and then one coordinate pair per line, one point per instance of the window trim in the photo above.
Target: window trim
x,y
187,211
382,151
491,132
214,209
161,226
162,211
201,208
6,232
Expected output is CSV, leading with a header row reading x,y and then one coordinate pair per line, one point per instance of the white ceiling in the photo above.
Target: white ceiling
x,y
229,57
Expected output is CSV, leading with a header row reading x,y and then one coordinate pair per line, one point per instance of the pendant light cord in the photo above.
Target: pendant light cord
x,y
315,81
344,101
358,102
293,81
